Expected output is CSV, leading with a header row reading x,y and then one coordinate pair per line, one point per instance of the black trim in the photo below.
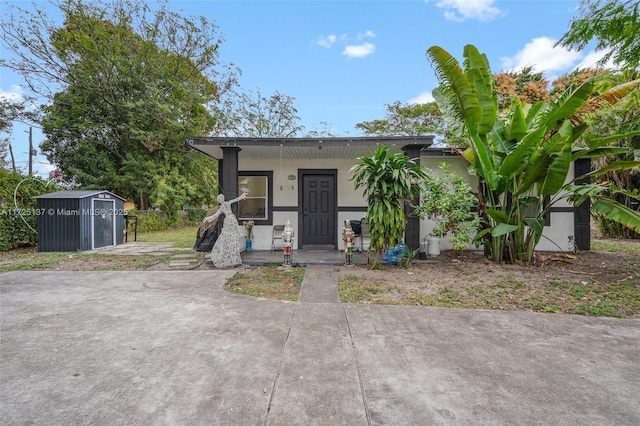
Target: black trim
x,y
582,213
567,209
352,209
230,175
285,208
412,229
269,175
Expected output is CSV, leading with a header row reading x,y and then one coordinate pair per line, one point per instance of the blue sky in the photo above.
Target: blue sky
x,y
343,61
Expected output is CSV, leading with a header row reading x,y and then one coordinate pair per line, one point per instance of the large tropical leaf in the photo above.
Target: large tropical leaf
x,y
617,212
516,126
479,76
534,172
519,156
567,104
597,146
483,160
454,84
611,96
598,152
615,166
503,229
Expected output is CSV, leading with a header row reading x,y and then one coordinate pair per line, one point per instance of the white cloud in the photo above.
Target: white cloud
x,y
359,50
541,54
327,41
422,98
14,93
592,59
353,47
366,34
461,10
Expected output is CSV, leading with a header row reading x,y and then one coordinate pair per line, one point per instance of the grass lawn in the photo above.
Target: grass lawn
x,y
180,237
271,282
28,259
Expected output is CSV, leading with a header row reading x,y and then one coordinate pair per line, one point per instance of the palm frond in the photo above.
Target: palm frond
x,y
617,212
455,84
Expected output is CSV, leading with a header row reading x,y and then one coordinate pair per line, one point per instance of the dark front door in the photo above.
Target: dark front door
x,y
103,223
319,208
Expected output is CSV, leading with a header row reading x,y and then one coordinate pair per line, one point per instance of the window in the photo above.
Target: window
x,y
257,205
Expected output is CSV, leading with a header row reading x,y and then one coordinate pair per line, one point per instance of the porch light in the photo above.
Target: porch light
x,y
349,238
287,241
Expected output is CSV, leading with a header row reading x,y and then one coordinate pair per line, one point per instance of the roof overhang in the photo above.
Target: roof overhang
x,y
303,148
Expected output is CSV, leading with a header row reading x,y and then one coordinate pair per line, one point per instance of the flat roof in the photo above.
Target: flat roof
x,y
303,148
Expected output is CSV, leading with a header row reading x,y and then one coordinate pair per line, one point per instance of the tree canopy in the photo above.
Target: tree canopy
x,y
125,86
251,114
613,24
412,120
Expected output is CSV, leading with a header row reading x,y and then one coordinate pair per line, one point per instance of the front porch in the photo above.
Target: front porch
x,y
303,257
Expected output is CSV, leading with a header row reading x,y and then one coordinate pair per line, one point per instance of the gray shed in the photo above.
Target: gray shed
x,y
79,220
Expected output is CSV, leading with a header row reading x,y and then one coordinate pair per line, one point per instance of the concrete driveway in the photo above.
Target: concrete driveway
x,y
173,348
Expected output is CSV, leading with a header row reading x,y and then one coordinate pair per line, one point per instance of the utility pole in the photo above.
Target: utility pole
x,y
30,150
13,160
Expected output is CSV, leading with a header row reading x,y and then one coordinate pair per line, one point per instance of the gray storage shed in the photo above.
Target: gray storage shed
x,y
79,220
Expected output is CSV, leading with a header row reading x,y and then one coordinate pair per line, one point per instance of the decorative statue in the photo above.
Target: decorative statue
x,y
349,239
287,241
226,250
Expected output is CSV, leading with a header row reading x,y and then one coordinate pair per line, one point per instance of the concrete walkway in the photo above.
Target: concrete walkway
x,y
173,348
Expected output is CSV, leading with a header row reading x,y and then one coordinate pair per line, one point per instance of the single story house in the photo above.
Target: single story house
x,y
306,181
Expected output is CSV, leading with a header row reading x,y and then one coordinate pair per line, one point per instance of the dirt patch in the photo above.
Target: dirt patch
x,y
591,282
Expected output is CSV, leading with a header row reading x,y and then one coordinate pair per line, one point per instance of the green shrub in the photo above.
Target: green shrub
x,y
14,232
151,220
193,216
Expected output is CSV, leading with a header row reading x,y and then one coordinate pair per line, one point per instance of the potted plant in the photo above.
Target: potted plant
x,y
447,199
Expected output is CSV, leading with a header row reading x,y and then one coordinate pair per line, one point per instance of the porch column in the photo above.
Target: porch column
x,y
228,176
412,231
582,213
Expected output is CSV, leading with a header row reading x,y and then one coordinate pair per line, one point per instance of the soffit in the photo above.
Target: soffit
x,y
303,149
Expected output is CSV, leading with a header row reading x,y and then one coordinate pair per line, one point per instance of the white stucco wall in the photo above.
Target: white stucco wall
x,y
555,237
285,194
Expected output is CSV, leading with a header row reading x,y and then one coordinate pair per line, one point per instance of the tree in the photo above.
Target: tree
x,y
12,110
523,158
614,25
390,180
251,114
406,120
530,87
411,120
129,85
621,118
577,77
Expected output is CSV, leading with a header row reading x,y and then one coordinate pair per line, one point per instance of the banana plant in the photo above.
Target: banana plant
x,y
390,180
523,159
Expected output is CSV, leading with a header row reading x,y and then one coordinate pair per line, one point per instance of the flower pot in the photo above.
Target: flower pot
x,y
248,245
433,246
